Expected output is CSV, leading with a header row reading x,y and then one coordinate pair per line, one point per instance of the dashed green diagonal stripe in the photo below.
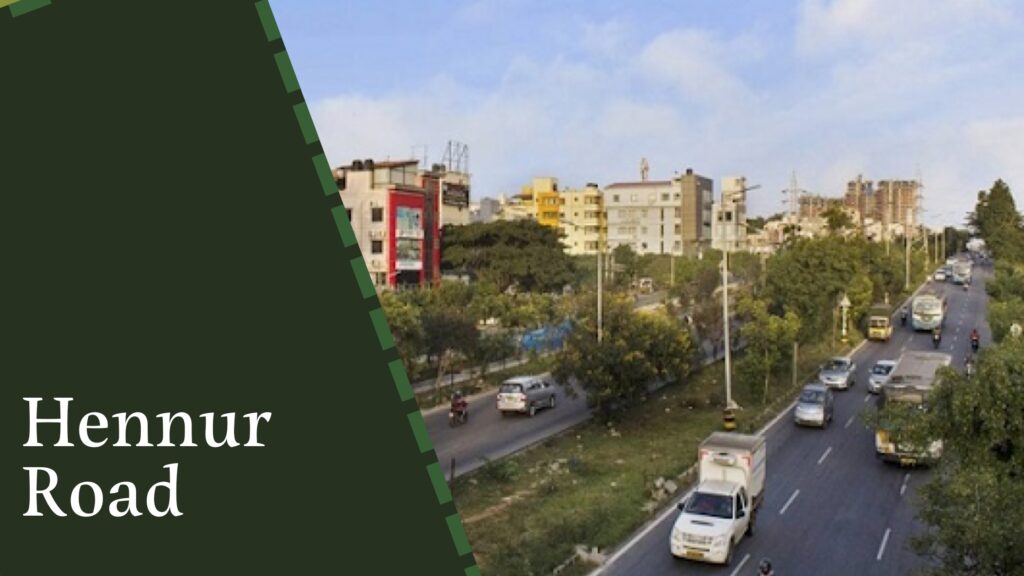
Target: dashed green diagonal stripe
x,y
380,324
5,3
348,237
325,174
419,431
284,66
267,20
401,379
305,122
444,494
20,7
473,571
362,277
458,535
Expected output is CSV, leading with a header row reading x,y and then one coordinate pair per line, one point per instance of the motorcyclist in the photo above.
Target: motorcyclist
x,y
765,568
937,336
903,315
459,404
975,338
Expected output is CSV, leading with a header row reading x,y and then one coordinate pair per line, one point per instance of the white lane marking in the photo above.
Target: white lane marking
x,y
955,337
903,349
881,549
825,455
788,502
850,421
866,398
740,565
903,488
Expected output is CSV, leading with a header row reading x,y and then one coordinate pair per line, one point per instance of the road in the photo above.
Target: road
x,y
489,435
830,507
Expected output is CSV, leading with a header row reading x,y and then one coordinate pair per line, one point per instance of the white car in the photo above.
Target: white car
x,y
880,375
940,276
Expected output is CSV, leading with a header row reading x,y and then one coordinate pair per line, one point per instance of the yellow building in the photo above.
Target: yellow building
x,y
542,195
582,220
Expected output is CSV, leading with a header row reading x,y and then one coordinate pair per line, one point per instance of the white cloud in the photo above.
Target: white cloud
x,y
697,98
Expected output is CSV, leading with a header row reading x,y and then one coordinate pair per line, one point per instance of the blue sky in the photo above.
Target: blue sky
x,y
582,90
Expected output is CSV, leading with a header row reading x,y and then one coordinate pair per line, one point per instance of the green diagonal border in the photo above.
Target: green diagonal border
x,y
434,475
19,7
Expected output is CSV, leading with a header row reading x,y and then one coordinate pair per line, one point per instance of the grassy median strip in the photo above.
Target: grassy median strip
x,y
597,483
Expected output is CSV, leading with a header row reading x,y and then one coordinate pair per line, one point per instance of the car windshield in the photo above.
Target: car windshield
x,y
881,369
717,505
507,388
839,365
812,397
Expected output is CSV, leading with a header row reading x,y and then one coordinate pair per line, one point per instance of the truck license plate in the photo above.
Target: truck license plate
x,y
694,554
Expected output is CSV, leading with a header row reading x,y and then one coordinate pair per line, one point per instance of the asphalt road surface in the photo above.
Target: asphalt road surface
x,y
830,506
489,435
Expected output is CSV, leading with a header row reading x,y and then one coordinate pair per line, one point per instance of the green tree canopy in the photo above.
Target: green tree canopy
x,y
520,253
636,350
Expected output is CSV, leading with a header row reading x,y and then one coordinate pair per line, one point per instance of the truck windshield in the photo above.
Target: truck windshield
x,y
716,505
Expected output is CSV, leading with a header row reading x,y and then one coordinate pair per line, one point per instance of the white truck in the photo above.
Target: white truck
x,y
723,507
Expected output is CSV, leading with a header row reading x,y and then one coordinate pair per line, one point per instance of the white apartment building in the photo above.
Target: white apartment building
x,y
646,216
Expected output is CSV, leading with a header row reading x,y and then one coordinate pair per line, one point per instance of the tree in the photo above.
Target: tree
x,y
769,339
997,220
637,349
406,328
838,219
972,504
448,331
626,263
521,254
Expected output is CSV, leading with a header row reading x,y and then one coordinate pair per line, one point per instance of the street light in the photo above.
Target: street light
x,y
600,287
730,405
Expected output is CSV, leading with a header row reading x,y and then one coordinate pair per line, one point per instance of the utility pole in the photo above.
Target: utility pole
x,y
730,405
906,243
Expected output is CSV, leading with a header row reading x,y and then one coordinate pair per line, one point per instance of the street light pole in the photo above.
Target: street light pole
x,y
600,287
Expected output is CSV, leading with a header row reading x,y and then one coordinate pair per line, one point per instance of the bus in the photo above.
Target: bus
x,y
928,312
910,384
962,273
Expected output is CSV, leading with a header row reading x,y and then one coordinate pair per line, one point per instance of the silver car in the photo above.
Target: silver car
x,y
838,373
880,375
526,394
814,407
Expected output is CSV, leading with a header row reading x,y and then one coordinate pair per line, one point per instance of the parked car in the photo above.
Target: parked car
x,y
880,375
814,407
838,373
526,394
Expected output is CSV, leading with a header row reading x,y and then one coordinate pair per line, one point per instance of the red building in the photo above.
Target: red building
x,y
394,211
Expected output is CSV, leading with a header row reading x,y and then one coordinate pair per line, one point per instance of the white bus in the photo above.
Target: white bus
x,y
962,273
928,312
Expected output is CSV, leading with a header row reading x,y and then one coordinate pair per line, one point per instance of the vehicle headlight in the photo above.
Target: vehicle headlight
x,y
718,542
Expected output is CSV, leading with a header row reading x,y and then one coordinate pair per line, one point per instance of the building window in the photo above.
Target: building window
x,y
615,198
678,228
380,278
679,212
376,247
376,214
348,212
664,197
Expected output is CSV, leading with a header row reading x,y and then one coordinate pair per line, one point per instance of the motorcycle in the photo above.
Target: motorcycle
x,y
936,339
974,344
903,319
765,568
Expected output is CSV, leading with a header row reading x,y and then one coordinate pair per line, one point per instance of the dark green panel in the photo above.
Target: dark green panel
x,y
168,247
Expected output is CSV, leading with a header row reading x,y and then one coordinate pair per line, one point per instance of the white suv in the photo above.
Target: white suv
x,y
526,394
